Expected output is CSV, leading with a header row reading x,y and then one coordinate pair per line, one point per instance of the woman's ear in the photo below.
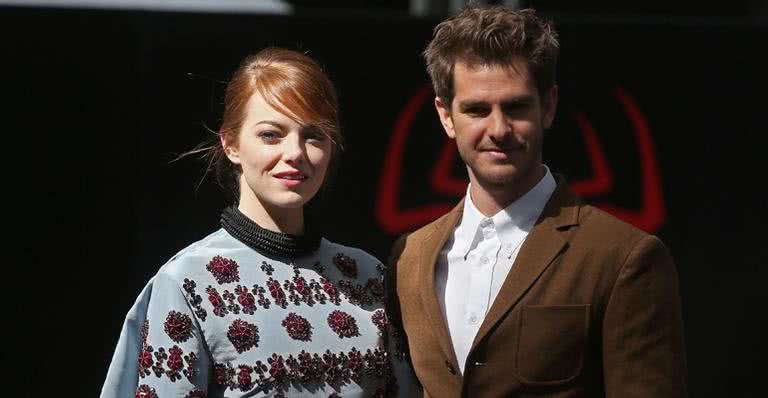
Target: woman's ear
x,y
229,145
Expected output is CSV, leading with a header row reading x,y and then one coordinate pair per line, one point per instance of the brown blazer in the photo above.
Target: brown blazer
x,y
590,308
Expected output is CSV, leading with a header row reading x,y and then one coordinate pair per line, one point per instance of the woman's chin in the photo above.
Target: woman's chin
x,y
290,200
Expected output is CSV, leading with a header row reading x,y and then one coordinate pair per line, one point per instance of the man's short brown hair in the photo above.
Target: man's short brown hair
x,y
492,36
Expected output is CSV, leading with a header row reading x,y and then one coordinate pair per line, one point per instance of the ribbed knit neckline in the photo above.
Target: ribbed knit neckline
x,y
264,241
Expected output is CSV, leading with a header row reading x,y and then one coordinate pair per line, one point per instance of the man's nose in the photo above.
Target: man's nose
x,y
499,127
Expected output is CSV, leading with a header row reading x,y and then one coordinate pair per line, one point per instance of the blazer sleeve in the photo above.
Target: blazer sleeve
x,y
643,347
161,351
407,383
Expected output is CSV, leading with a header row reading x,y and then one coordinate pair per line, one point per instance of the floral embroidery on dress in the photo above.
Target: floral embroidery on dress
x,y
300,290
319,267
347,265
378,363
225,270
259,292
219,308
222,374
243,335
175,363
277,292
246,299
160,357
244,377
144,332
297,327
194,299
145,391
343,324
379,318
355,293
174,359
330,289
178,326
330,368
145,361
267,268
230,298
376,288
191,369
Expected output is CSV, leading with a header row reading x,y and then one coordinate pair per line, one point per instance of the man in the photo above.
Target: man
x,y
522,290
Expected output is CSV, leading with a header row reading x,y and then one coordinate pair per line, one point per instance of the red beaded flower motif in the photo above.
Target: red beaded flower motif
x,y
145,391
178,326
225,270
343,324
243,335
379,318
347,265
298,327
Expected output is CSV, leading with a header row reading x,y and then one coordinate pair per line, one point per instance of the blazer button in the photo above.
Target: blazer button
x,y
450,367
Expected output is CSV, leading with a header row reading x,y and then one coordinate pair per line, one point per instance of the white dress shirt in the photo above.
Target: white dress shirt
x,y
474,263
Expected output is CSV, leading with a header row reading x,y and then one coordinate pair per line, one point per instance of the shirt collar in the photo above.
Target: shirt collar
x,y
518,216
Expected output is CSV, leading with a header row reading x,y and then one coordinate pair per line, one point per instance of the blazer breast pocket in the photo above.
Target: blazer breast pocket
x,y
552,341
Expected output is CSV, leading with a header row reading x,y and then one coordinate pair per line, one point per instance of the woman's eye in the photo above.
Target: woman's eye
x,y
269,136
314,135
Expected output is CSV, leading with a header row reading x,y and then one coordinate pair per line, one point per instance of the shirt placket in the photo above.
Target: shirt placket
x,y
483,259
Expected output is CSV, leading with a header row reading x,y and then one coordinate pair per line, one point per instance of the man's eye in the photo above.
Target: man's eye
x,y
518,106
476,111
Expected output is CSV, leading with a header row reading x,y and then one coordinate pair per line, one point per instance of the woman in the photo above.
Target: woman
x,y
264,306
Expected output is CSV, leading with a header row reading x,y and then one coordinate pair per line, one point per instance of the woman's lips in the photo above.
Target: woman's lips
x,y
290,178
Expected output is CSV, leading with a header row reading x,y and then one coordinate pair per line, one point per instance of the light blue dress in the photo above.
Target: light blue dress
x,y
222,320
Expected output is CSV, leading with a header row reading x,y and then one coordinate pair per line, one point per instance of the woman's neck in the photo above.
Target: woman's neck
x,y
277,219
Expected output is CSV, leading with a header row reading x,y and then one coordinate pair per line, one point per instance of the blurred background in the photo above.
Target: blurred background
x,y
661,122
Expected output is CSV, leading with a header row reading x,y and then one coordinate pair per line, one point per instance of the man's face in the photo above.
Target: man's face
x,y
497,119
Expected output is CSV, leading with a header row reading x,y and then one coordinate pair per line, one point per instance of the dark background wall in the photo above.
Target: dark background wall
x,y
96,104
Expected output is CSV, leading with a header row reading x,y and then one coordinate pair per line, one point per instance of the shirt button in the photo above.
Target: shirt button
x,y
484,260
473,319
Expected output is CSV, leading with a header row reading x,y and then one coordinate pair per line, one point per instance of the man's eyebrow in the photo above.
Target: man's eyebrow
x,y
463,105
523,99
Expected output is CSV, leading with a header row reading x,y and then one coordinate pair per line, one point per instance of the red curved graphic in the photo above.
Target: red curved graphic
x,y
391,217
394,220
651,215
442,180
602,176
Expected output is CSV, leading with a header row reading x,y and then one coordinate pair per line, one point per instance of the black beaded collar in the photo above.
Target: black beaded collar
x,y
264,241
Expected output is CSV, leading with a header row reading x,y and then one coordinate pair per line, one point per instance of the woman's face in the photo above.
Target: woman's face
x,y
283,162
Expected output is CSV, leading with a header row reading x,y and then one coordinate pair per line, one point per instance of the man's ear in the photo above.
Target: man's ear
x,y
549,106
444,111
229,144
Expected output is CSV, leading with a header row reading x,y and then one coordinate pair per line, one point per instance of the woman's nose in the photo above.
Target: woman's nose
x,y
293,149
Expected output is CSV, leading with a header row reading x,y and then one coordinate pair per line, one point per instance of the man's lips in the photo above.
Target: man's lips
x,y
503,150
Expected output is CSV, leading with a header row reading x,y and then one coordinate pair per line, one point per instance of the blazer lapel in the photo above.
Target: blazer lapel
x,y
430,249
543,244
